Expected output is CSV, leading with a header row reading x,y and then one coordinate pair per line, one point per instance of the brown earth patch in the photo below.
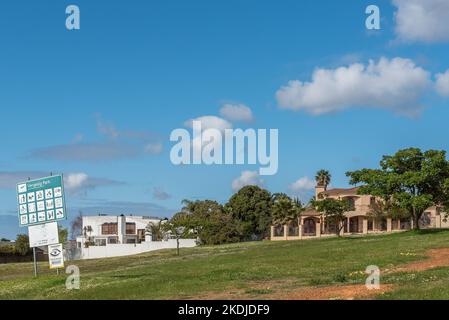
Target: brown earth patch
x,y
435,258
286,289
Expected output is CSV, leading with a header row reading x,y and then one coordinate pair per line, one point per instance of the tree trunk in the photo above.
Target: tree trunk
x,y
416,218
177,246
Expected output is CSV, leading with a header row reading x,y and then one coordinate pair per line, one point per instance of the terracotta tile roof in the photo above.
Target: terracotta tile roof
x,y
338,192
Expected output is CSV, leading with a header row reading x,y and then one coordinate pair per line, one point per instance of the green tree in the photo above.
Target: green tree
x,y
251,208
156,231
333,210
177,228
209,222
410,180
63,234
285,210
22,245
323,178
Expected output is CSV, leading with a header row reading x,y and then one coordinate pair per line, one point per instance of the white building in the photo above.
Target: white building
x,y
113,236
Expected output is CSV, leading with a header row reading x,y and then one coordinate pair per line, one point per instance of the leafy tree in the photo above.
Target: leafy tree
x,y
285,210
76,226
5,240
63,234
381,209
176,228
251,208
323,178
334,211
156,231
22,245
411,180
209,222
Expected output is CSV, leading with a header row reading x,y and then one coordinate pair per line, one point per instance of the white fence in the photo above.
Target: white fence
x,y
120,250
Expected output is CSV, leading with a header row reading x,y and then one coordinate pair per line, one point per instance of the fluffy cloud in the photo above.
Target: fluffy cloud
x,y
75,180
247,178
160,194
396,84
115,145
210,122
422,20
207,123
302,184
238,112
442,83
79,183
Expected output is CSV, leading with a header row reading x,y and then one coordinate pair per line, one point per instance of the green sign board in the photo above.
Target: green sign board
x,y
41,201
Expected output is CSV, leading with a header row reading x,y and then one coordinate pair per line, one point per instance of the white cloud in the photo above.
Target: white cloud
x,y
302,188
210,122
153,148
422,20
396,84
207,123
75,180
247,178
442,83
237,112
302,184
79,183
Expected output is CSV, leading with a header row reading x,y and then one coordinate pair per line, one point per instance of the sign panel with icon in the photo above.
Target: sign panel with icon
x,y
41,201
55,256
43,234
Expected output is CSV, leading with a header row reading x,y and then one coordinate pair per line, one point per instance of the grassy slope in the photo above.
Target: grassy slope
x,y
162,275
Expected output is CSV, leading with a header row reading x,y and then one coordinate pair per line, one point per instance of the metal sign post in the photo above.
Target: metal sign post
x,y
35,262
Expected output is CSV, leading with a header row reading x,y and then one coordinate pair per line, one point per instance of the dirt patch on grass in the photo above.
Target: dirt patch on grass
x,y
283,290
287,290
435,258
345,292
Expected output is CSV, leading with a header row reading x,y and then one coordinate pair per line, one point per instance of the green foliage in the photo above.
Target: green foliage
x,y
410,181
156,230
208,221
7,249
285,210
22,245
323,178
251,209
334,211
63,234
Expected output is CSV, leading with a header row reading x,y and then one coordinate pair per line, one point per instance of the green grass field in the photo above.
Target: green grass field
x,y
256,270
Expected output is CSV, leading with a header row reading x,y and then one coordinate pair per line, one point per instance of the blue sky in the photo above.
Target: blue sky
x,y
98,104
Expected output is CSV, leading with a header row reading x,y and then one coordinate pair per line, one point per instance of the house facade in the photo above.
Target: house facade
x,y
106,236
313,224
103,229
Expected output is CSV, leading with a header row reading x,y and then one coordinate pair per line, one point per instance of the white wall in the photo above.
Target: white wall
x,y
120,250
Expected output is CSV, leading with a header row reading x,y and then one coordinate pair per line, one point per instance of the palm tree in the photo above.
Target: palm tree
x,y
323,178
286,210
155,229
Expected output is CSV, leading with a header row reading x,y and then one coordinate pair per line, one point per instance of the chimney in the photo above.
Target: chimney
x,y
318,190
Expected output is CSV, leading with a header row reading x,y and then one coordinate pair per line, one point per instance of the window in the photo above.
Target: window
x,y
109,228
100,242
112,240
130,228
372,201
351,203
